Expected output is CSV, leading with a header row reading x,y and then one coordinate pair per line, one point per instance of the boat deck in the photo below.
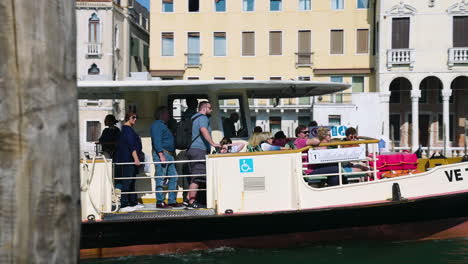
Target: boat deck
x,y
151,212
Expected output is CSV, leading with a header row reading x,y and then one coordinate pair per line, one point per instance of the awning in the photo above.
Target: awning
x,y
253,89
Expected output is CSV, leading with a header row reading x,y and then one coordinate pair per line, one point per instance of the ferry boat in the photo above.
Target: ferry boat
x,y
263,199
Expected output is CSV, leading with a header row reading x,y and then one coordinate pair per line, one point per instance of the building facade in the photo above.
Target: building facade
x,y
112,44
422,72
329,40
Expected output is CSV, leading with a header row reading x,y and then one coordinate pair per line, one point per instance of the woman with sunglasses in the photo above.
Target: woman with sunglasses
x,y
129,149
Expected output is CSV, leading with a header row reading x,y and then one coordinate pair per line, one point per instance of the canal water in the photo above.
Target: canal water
x,y
454,251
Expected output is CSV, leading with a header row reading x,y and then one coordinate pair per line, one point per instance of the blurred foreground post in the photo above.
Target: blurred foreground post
x,y
39,179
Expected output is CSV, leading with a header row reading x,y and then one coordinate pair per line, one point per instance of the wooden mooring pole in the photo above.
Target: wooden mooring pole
x,y
39,159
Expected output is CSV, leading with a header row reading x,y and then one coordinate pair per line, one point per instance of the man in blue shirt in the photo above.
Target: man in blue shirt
x,y
201,145
162,141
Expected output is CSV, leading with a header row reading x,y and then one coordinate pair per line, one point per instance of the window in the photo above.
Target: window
x,y
336,41
304,78
248,43
94,29
275,42
275,5
168,6
338,96
358,84
219,78
193,78
220,5
93,131
395,127
337,4
362,44
460,31
275,78
304,48
219,44
441,127
248,5
304,4
248,78
275,124
194,5
304,100
94,70
334,120
400,33
193,48
134,47
362,3
146,56
167,44
116,38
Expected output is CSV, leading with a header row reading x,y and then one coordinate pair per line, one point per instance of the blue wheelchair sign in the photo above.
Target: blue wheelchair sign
x,y
246,165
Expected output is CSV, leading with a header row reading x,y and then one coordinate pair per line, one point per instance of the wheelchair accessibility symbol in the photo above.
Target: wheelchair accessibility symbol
x,y
246,165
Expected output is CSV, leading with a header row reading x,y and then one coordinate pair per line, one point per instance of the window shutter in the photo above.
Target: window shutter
x,y
248,44
304,41
400,33
336,42
460,34
275,43
362,41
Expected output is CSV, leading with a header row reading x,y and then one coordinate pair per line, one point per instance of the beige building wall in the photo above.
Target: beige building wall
x,y
320,20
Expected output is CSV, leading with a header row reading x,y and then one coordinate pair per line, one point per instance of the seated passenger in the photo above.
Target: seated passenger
x,y
280,139
226,146
266,142
303,140
351,135
258,129
324,136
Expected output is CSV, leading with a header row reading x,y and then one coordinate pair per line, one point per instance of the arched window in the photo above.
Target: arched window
x,y
94,70
94,29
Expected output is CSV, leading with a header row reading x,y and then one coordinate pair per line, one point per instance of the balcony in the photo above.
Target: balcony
x,y
457,56
193,60
93,49
303,59
401,57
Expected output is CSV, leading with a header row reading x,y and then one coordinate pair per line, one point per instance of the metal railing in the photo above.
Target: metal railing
x,y
339,144
303,59
193,60
114,179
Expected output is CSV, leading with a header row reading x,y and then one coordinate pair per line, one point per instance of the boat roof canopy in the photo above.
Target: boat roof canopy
x,y
254,89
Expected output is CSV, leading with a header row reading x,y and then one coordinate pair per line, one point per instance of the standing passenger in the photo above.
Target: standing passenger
x,y
162,141
201,145
109,136
128,150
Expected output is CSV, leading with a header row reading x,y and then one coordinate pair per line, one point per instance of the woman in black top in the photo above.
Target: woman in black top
x,y
109,136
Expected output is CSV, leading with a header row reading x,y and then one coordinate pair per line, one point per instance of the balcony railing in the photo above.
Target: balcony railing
x,y
458,56
193,60
93,49
401,57
303,59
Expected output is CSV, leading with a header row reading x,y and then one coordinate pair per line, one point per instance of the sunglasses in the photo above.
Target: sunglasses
x,y
134,117
305,132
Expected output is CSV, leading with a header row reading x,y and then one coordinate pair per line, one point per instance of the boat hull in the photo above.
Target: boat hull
x,y
438,217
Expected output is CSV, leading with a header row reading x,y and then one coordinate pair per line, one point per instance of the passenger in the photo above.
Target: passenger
x,y
192,103
229,127
302,141
258,129
162,142
253,144
313,124
128,150
226,146
266,142
351,135
202,142
109,136
280,139
324,136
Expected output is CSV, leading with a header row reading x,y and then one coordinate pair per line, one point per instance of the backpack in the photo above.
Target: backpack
x,y
183,137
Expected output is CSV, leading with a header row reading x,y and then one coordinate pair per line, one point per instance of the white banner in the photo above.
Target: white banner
x,y
336,155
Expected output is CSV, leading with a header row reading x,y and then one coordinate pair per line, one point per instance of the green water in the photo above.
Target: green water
x,y
437,251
